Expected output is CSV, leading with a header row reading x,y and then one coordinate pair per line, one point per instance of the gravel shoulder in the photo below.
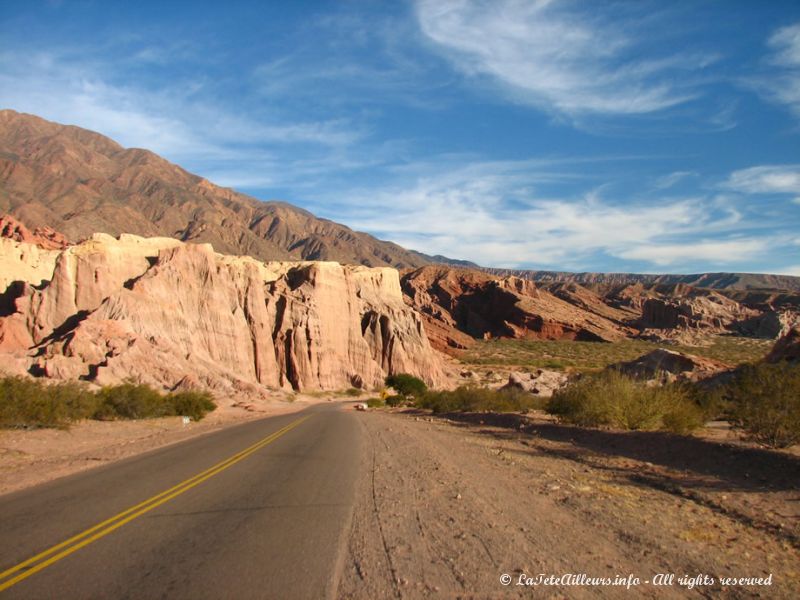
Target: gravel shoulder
x,y
448,506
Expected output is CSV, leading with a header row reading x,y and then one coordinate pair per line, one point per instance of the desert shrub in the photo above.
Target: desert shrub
x,y
26,402
194,404
479,399
139,401
394,400
131,401
375,403
613,399
354,392
407,385
29,403
765,401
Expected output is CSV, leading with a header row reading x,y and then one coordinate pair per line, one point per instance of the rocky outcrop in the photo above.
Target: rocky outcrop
x,y
44,237
539,383
693,309
164,312
470,303
669,365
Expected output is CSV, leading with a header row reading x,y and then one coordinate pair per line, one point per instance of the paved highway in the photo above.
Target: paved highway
x,y
259,510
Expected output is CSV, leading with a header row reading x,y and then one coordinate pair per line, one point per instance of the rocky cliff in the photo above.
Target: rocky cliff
x,y
173,314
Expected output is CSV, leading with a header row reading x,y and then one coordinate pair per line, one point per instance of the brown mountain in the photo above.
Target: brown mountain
x,y
80,182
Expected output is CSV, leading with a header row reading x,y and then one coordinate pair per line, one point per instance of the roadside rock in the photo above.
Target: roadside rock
x,y
671,365
540,383
786,348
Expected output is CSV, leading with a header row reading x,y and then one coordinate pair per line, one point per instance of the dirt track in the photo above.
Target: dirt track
x,y
448,507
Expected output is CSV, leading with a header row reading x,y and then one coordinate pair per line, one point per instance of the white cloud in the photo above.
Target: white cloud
x,y
786,44
715,252
766,179
491,213
783,85
562,61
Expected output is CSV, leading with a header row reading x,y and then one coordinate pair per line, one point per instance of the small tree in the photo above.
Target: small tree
x,y
407,385
766,402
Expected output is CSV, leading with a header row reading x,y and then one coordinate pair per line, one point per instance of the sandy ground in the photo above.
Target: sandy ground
x,y
447,507
30,457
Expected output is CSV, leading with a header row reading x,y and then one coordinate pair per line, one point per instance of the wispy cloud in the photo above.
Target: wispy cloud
x,y
782,85
668,181
766,179
725,252
491,213
182,122
551,56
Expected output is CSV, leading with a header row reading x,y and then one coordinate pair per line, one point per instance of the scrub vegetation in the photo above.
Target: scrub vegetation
x,y
28,402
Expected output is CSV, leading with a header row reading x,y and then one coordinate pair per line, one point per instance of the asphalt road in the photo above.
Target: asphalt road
x,y
259,510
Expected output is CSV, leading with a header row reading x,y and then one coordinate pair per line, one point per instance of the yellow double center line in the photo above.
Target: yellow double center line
x,y
44,559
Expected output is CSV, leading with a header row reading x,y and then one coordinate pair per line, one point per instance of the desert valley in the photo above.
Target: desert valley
x,y
120,268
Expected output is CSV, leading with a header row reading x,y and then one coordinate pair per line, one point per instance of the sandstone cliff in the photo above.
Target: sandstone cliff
x,y
173,314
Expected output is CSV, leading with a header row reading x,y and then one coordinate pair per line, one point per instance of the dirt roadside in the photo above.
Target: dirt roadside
x,y
447,507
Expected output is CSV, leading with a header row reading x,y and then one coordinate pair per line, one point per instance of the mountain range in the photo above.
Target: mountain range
x,y
79,182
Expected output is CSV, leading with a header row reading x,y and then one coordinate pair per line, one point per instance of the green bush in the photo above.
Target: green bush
x,y
395,400
131,401
407,385
354,392
194,404
375,403
612,399
479,399
26,402
765,402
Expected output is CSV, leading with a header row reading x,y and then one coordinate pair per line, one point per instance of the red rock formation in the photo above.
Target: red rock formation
x,y
44,237
471,302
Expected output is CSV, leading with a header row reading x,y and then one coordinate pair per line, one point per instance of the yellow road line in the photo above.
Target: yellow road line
x,y
102,529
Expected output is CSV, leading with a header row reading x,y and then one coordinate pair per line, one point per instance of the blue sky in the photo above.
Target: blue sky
x,y
601,136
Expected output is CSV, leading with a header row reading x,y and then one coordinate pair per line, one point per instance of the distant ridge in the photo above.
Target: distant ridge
x,y
714,281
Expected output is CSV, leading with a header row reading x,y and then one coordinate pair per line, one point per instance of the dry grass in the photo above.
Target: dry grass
x,y
589,356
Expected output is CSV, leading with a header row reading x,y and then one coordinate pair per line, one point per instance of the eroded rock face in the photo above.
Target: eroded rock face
x,y
708,311
164,312
466,304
